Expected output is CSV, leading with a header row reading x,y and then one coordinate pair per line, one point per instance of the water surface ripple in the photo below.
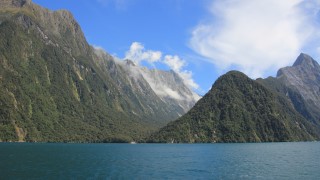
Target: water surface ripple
x,y
160,161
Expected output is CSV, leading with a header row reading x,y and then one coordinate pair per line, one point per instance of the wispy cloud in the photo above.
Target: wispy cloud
x,y
139,54
255,36
177,64
99,51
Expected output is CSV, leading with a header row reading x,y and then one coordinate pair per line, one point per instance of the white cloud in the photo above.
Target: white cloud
x,y
100,52
254,36
176,64
99,48
161,89
172,93
138,53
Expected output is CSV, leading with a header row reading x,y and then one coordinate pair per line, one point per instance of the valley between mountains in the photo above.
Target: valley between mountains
x,y
55,87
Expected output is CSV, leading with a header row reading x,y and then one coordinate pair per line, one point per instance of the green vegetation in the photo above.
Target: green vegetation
x,y
307,109
54,98
238,109
55,88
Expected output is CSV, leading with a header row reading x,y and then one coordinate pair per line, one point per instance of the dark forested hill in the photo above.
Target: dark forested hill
x,y
239,109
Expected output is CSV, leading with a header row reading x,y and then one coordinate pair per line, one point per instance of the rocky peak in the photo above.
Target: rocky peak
x,y
304,65
167,85
175,76
14,3
305,60
56,27
129,62
304,76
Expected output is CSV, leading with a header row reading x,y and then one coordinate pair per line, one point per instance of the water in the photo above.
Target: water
x,y
160,161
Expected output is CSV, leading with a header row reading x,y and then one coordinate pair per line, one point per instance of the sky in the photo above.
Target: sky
x,y
201,39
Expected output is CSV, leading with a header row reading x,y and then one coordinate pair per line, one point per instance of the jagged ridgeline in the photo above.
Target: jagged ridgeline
x,y
300,84
239,109
56,87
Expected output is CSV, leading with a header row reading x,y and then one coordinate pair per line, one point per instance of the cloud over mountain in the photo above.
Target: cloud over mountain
x,y
139,54
176,64
255,36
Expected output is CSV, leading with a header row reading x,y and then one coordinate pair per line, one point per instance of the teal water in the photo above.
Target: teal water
x,y
160,161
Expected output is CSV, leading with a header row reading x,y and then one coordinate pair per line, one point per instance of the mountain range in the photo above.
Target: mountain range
x,y
239,109
55,87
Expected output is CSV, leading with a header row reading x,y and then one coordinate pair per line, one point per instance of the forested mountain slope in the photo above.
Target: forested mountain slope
x,y
54,86
239,109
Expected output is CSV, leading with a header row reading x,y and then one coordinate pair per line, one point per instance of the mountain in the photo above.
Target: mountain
x,y
55,87
304,77
138,83
168,85
300,84
238,109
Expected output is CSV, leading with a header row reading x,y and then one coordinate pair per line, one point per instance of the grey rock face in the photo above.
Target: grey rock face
x,y
167,85
304,77
59,25
13,3
160,96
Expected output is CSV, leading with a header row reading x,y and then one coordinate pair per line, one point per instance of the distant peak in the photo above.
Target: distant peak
x,y
14,3
173,72
129,62
305,60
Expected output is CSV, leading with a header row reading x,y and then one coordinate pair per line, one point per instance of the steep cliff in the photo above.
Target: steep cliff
x,y
304,78
56,87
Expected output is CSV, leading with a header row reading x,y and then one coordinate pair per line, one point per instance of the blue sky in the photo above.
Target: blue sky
x,y
200,39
